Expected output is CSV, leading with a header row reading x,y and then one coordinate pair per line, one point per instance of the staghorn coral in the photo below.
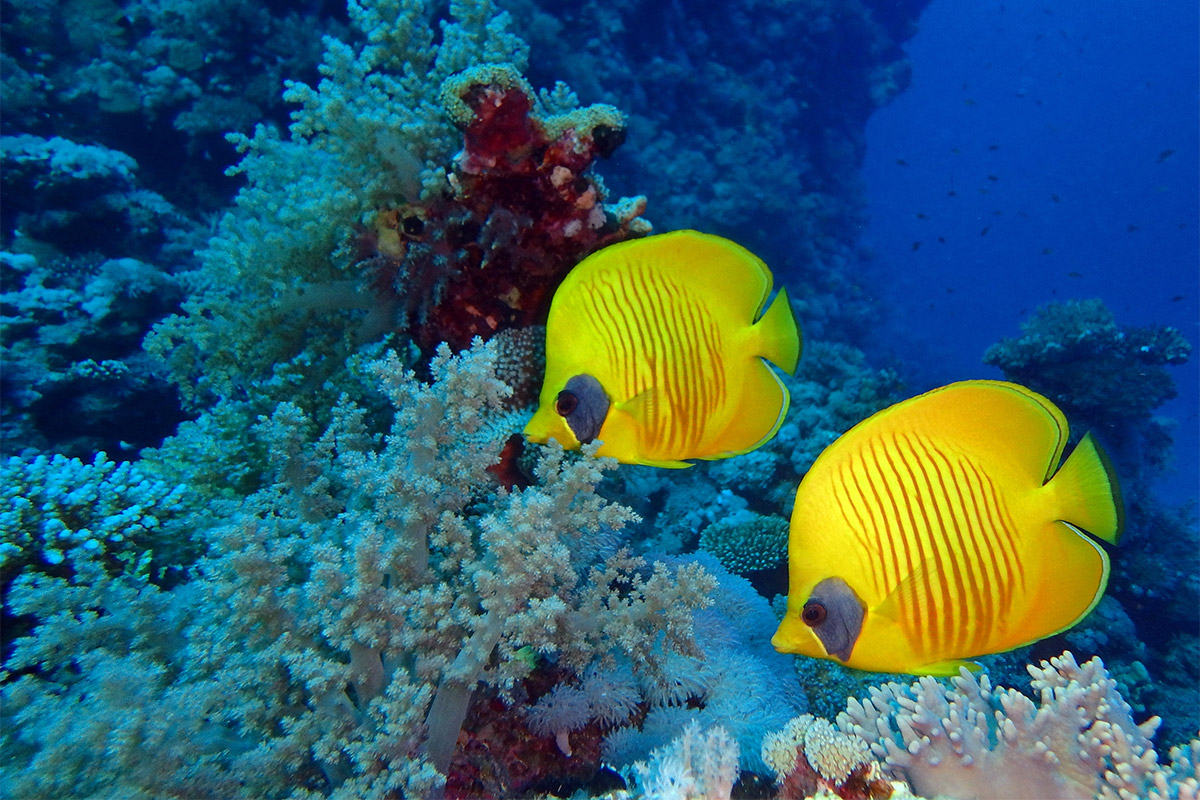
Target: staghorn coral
x,y
973,741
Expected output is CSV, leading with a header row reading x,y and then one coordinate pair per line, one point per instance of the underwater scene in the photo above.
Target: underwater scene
x,y
639,399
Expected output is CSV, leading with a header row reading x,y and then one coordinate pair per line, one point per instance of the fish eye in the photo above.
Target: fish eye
x,y
813,613
566,403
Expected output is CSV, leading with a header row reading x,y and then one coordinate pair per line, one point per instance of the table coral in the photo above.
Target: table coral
x,y
1076,354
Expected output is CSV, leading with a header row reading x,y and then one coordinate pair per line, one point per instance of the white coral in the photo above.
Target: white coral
x,y
971,741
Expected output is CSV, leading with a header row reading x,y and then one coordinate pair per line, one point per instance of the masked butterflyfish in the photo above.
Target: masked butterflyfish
x,y
943,528
657,347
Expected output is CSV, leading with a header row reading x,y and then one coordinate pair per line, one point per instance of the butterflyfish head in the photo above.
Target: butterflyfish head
x,y
827,625
575,415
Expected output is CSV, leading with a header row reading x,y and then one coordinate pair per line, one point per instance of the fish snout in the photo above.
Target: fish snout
x,y
546,425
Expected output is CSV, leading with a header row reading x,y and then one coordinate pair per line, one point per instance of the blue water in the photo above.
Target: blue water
x,y
1077,100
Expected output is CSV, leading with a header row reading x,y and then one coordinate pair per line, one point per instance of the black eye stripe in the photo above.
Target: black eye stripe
x,y
584,405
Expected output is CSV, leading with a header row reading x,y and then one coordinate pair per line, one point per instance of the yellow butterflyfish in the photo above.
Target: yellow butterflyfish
x,y
656,347
939,529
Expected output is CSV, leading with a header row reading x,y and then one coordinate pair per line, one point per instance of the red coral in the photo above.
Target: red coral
x,y
502,134
861,784
523,211
498,756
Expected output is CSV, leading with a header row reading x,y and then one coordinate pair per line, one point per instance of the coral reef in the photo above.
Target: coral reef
x,y
810,754
696,765
57,511
747,543
158,80
335,631
1097,371
973,741
1110,379
75,379
340,577
521,210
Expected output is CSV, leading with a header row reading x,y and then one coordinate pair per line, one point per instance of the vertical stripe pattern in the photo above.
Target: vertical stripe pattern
x,y
940,538
658,336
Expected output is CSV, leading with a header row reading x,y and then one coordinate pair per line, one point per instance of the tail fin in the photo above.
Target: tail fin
x,y
1089,496
779,339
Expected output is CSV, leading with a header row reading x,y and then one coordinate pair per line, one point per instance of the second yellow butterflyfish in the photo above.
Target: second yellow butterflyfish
x,y
656,347
943,528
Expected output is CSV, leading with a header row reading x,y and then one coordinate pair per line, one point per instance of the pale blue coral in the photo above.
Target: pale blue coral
x,y
50,506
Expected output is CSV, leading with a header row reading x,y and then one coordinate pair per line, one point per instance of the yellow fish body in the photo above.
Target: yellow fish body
x,y
939,529
656,348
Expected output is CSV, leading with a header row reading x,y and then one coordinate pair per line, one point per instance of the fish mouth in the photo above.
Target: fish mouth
x,y
546,425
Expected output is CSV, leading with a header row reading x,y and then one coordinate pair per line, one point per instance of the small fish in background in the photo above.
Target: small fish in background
x,y
1164,155
900,162
1056,198
1047,251
1130,228
916,246
943,528
1074,274
657,347
985,230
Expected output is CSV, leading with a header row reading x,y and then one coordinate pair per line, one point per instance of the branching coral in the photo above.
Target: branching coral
x,y
345,613
811,754
57,511
695,766
973,741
